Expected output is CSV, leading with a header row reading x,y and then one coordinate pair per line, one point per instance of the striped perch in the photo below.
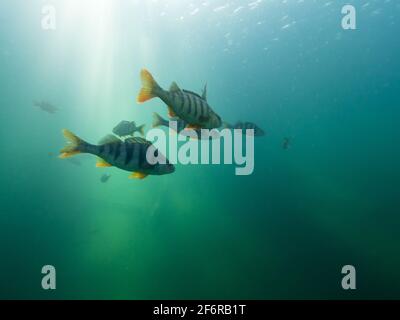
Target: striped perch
x,y
188,106
129,155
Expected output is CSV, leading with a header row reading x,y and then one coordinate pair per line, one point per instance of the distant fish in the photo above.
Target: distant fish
x,y
188,106
258,132
159,121
104,178
46,106
128,128
129,155
286,143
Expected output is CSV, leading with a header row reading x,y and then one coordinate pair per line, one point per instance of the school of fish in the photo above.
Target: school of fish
x,y
188,109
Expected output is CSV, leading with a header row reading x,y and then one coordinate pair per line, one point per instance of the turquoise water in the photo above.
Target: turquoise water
x,y
285,231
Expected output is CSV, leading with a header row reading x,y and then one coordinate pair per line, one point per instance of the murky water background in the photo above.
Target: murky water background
x,y
329,200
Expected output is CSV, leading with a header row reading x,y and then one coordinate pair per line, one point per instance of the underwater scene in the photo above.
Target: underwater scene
x,y
308,91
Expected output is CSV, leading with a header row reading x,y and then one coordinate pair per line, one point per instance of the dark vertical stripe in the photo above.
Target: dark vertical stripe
x,y
111,149
190,105
142,155
177,99
198,106
129,152
185,103
136,150
196,109
196,102
101,149
117,151
204,108
182,97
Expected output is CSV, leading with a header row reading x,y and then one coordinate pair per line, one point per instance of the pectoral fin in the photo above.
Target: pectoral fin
x,y
138,175
171,113
193,127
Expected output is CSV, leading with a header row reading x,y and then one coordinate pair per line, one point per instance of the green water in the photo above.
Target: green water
x,y
285,231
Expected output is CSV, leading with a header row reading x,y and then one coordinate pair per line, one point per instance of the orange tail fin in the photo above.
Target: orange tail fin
x,y
150,87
